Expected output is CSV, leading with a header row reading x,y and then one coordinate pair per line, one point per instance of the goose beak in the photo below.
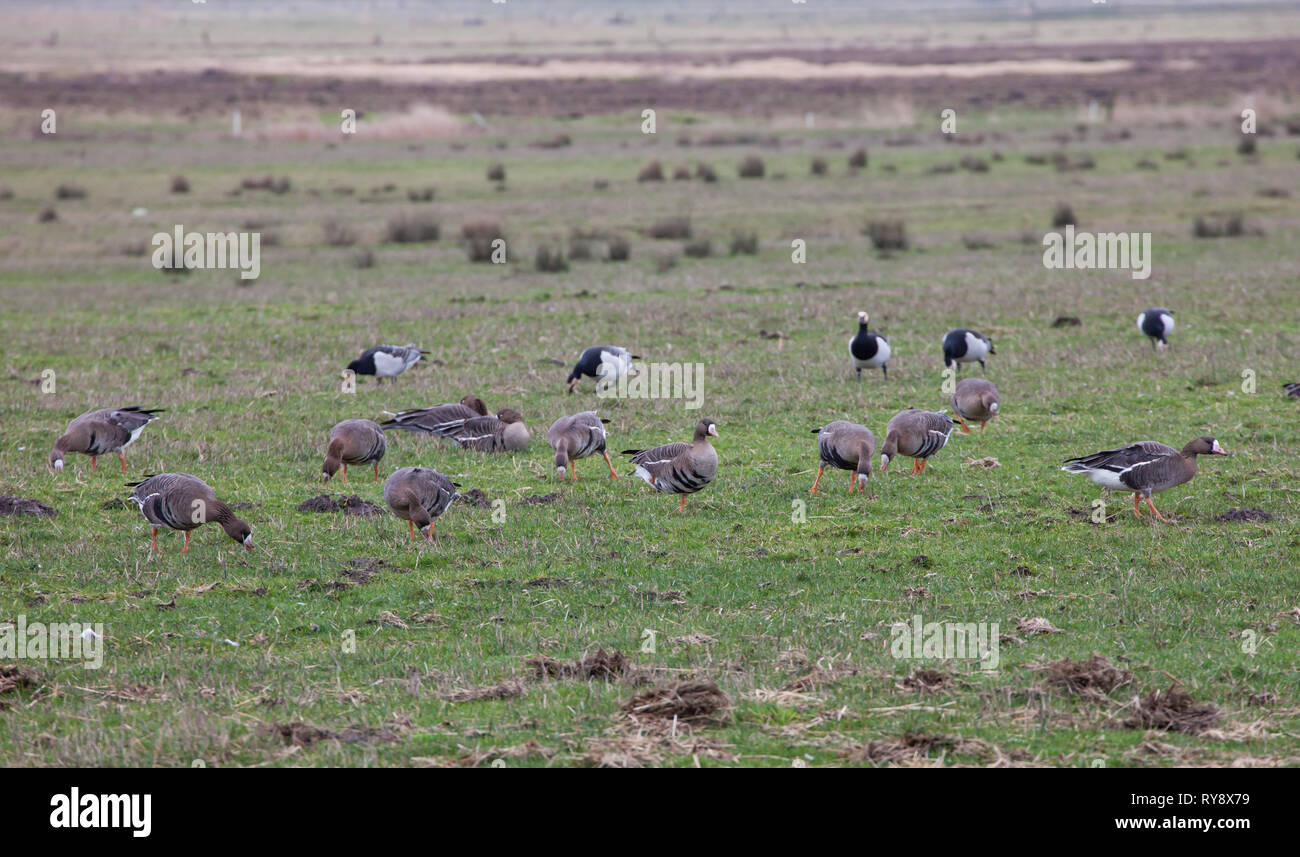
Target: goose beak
x,y
58,466
1218,450
713,430
248,541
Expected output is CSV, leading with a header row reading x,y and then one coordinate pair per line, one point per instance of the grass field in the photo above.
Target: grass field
x,y
340,642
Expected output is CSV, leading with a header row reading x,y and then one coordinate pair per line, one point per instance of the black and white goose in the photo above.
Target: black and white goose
x,y
1144,468
1292,390
965,346
605,363
387,361
869,350
1157,324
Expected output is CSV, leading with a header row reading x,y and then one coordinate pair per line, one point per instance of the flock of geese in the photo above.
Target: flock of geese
x,y
420,495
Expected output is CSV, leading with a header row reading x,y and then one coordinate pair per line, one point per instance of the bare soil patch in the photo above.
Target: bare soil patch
x,y
23,506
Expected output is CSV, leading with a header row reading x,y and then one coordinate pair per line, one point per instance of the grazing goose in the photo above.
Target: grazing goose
x,y
976,400
179,501
918,434
1292,390
847,446
1157,324
354,442
438,417
100,432
1145,468
603,362
869,350
418,495
577,437
387,361
505,432
679,468
965,346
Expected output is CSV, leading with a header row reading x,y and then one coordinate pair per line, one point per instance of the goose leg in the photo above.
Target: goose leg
x,y
92,464
411,525
853,483
916,466
122,455
818,479
682,507
986,422
1136,511
859,376
1155,511
376,471
885,371
612,474
428,534
155,538
186,549
964,428
924,461
345,474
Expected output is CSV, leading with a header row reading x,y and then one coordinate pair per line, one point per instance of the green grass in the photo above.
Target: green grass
x,y
776,592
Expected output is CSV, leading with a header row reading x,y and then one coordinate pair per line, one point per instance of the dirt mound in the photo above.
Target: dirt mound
x,y
474,497
1233,516
23,506
351,505
909,747
1174,711
12,678
1066,321
1094,677
505,690
684,700
927,681
534,499
606,665
304,734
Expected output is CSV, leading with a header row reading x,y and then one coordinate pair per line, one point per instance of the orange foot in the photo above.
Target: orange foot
x,y
682,507
964,428
1156,511
1136,510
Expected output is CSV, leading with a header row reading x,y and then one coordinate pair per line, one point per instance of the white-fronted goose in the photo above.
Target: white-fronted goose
x,y
100,432
575,437
506,432
869,350
387,361
1292,390
847,446
418,495
179,501
1157,324
607,362
439,417
976,400
679,468
917,434
965,346
1145,468
358,442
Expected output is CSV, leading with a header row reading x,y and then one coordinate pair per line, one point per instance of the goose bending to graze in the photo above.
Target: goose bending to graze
x,y
679,468
916,434
976,400
100,432
869,350
575,437
506,432
1145,468
605,363
1157,324
439,417
847,446
418,495
965,346
1292,390
179,501
387,361
358,442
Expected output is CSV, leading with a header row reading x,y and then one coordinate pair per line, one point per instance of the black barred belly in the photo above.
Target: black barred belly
x,y
830,456
679,480
933,443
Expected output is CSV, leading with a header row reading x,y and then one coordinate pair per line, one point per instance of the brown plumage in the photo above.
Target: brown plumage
x,y
976,400
679,468
1145,468
418,495
847,446
916,434
505,432
439,417
357,442
100,432
179,501
578,436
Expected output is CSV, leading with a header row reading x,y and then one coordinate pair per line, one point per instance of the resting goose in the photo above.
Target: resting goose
x,y
100,432
1157,324
847,446
1145,468
418,495
575,437
438,417
869,350
179,501
359,442
1292,390
917,434
679,468
387,361
602,362
965,346
976,400
505,432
